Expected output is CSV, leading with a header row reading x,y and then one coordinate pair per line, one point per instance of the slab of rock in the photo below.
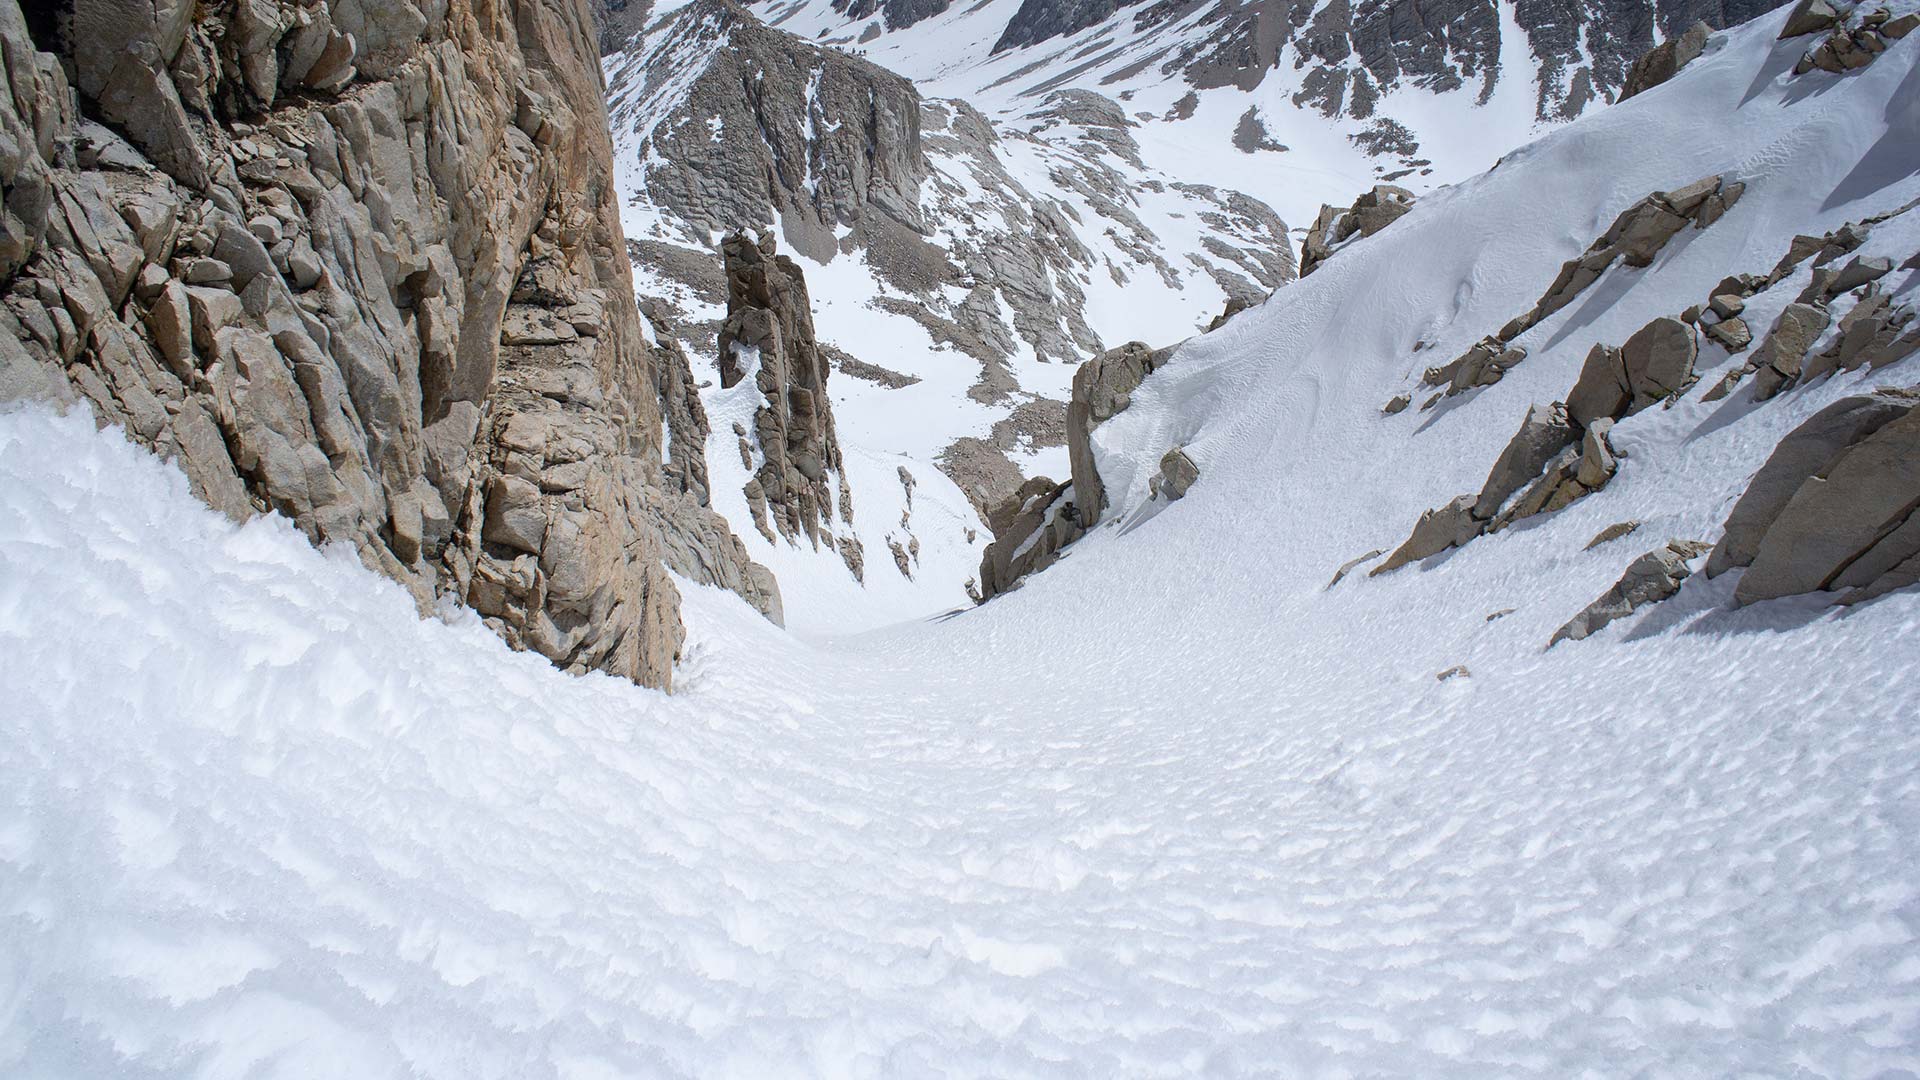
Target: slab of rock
x,y
1349,566
1611,533
1102,387
1649,579
1664,61
1333,228
1858,507
1543,434
1809,17
1776,363
1030,529
1806,452
1437,530
1177,474
770,320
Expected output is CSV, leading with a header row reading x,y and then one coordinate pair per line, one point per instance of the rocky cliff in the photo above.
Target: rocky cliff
x,y
799,482
996,249
361,264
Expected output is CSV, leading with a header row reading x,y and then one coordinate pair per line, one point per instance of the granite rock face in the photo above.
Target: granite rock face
x,y
1834,507
1102,388
1333,228
1349,53
361,265
773,129
799,485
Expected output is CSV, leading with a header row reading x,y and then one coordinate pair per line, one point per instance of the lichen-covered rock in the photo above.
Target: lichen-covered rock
x,y
362,265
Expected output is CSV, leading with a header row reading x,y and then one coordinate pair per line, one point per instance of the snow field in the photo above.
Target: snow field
x,y
1172,808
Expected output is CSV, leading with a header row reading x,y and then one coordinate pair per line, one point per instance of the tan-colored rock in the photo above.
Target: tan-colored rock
x,y
336,343
1611,533
1857,508
1808,451
1776,363
1102,387
1809,17
1649,579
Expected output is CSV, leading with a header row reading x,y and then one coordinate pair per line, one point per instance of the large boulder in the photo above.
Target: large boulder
x,y
1649,579
1664,61
1847,524
1333,228
1102,387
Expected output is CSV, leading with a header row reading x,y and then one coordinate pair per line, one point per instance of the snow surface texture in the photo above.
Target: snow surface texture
x,y
1171,809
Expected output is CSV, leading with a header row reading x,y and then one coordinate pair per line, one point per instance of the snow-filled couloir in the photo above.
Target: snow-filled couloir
x,y
1176,806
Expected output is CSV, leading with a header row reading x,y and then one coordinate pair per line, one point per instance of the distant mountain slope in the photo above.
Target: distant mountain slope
x,y
959,272
1424,92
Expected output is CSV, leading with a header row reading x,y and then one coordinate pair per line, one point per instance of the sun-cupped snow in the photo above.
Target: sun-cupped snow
x,y
1173,807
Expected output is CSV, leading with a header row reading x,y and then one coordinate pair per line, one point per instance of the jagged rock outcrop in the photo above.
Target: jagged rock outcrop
x,y
1562,453
1102,387
1876,330
1549,462
1334,228
1634,239
1649,579
1834,507
772,130
1034,524
1851,43
1664,61
799,486
359,264
1030,529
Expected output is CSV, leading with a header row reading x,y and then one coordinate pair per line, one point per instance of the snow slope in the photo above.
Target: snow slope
x,y
1173,808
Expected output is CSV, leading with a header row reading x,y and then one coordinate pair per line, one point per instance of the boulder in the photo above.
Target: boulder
x,y
1437,530
1611,533
1664,61
1807,452
1544,432
1333,228
1657,362
1776,363
1102,387
1809,17
1649,579
1177,474
1860,506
